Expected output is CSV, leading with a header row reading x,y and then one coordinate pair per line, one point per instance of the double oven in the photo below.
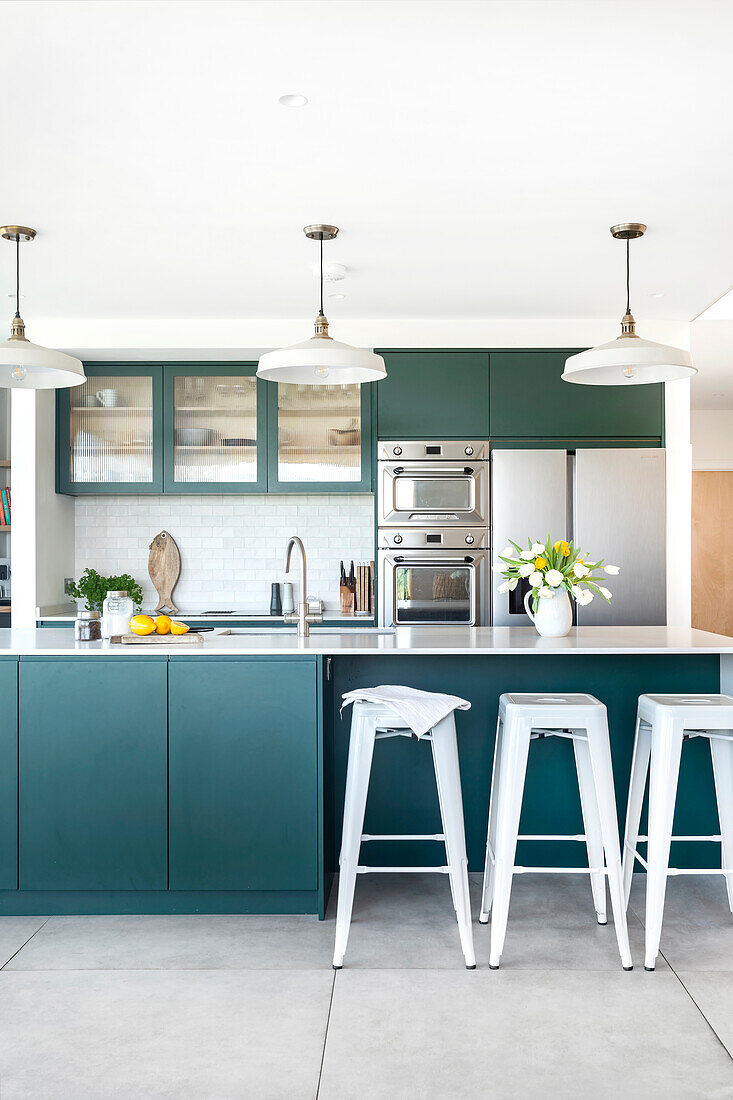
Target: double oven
x,y
433,549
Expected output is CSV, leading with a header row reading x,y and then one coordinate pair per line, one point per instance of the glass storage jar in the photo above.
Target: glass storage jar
x,y
116,614
88,626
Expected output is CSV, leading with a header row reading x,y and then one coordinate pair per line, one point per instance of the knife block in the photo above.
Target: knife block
x,y
347,597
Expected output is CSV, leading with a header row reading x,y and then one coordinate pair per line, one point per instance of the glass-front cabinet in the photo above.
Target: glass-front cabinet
x,y
217,428
109,431
319,438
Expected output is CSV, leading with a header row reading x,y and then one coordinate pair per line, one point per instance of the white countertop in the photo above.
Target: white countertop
x,y
58,614
455,640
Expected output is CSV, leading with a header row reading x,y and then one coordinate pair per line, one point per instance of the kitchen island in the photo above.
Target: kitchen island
x,y
168,780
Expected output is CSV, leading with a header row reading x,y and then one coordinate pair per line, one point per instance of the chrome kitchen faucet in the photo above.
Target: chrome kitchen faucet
x,y
302,616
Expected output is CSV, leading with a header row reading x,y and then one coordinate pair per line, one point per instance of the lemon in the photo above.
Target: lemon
x,y
178,627
142,624
162,624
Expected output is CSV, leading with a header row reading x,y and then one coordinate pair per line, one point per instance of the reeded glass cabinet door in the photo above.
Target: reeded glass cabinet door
x,y
108,431
215,426
320,436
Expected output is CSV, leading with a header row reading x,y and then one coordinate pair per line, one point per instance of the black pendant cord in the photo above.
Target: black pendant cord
x,y
321,275
628,299
17,275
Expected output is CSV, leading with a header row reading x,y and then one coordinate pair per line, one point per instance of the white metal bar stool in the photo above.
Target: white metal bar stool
x,y
371,722
582,719
663,722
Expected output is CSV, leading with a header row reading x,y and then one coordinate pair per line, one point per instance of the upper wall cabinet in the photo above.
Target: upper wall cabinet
x,y
109,431
531,404
213,428
434,395
319,438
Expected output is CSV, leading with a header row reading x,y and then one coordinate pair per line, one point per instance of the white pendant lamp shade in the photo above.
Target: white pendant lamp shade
x,y
629,360
321,360
27,366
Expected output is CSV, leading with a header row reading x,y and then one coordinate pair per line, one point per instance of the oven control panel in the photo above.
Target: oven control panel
x,y
433,539
451,450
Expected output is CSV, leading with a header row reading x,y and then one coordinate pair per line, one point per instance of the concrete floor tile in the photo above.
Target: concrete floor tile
x,y
713,994
431,1035
14,932
72,1035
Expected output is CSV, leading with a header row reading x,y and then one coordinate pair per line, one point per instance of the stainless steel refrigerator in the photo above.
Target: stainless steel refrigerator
x,y
609,501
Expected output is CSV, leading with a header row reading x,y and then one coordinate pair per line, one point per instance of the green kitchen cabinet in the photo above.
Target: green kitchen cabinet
x,y
319,438
92,773
244,773
433,394
9,774
214,428
531,405
109,431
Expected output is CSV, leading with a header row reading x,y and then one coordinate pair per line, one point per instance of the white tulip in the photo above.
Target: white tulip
x,y
580,570
508,552
527,555
537,548
585,597
577,591
513,584
498,567
605,593
526,568
545,592
554,577
612,570
504,587
536,579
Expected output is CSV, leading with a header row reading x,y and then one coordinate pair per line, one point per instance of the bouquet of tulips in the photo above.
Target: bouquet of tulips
x,y
550,567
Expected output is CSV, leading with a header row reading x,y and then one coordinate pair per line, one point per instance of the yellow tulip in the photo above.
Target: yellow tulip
x,y
563,547
540,563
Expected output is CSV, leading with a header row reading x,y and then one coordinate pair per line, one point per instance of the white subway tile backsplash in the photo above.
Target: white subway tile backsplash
x,y
232,547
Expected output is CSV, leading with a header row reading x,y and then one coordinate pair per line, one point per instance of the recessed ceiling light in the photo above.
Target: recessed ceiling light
x,y
338,296
292,100
718,395
13,295
657,294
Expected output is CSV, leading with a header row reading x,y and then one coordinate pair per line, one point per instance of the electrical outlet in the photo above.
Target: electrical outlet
x,y
68,581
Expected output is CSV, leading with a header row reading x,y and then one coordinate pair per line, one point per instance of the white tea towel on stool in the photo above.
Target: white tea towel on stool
x,y
419,710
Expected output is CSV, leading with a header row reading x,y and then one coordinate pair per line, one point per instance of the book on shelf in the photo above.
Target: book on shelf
x,y
5,499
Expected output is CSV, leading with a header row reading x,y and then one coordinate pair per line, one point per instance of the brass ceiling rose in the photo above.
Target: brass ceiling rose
x,y
628,231
321,232
17,233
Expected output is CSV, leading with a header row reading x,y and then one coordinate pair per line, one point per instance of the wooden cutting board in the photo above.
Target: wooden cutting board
x,y
158,639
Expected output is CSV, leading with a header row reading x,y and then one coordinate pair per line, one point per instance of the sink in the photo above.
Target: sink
x,y
254,631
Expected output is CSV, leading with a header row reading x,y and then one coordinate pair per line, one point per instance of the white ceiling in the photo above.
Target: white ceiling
x,y
473,154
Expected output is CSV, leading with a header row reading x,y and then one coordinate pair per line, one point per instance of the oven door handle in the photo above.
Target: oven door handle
x,y
468,471
400,559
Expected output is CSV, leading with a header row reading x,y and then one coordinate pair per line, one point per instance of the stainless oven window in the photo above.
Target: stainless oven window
x,y
434,494
433,593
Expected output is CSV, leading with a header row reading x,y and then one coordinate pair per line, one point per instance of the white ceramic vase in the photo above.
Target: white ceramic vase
x,y
554,616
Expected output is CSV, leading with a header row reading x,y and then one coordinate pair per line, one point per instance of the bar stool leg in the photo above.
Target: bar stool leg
x,y
448,776
512,773
361,749
721,750
591,824
600,757
637,786
666,738
487,889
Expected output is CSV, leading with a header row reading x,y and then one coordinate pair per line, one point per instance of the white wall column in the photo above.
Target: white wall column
x,y
679,503
42,544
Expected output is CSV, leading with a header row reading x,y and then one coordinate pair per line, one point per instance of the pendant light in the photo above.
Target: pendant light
x,y
29,366
321,359
628,360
